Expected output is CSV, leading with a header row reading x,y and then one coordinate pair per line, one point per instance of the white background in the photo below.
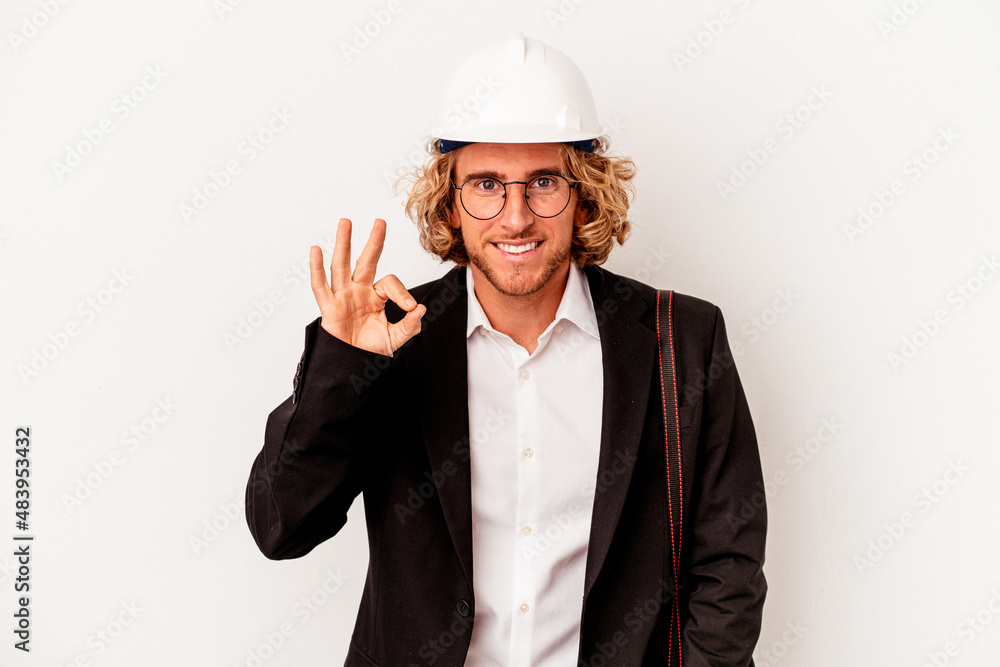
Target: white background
x,y
162,532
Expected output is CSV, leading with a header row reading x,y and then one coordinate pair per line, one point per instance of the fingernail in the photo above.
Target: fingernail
x,y
410,303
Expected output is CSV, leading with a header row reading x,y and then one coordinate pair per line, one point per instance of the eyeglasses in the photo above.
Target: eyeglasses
x,y
484,198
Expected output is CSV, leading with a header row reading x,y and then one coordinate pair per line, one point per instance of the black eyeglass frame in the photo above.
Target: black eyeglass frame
x,y
571,184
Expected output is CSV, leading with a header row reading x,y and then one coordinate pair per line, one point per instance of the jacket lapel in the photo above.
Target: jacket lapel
x,y
438,368
628,349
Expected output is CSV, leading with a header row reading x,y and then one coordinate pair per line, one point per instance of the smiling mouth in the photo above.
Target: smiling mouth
x,y
519,249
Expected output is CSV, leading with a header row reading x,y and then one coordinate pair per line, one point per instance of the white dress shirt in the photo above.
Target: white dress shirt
x,y
535,439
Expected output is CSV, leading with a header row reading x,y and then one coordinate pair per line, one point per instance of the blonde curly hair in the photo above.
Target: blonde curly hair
x,y
604,187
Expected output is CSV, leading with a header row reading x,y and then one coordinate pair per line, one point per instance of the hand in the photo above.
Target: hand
x,y
353,307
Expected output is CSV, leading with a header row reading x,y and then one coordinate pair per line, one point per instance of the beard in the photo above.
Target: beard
x,y
522,281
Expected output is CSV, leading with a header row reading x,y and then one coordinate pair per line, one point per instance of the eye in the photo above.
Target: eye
x,y
543,183
487,186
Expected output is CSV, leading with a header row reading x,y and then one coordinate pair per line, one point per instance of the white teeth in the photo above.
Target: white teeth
x,y
517,249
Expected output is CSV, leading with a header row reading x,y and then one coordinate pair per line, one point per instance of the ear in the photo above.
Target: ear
x,y
580,216
456,218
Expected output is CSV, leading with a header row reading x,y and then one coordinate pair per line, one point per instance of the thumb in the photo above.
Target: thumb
x,y
406,328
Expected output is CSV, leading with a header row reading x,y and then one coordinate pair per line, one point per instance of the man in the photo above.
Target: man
x,y
504,424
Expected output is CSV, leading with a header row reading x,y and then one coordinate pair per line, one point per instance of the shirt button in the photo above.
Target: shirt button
x,y
527,452
482,331
525,374
558,328
524,607
526,530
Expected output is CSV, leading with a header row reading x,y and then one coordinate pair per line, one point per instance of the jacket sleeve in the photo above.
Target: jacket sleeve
x,y
317,445
724,587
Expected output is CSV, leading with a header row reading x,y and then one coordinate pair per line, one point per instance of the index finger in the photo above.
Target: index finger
x,y
391,287
364,271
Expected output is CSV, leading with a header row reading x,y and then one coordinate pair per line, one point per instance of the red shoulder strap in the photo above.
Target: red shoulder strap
x,y
672,445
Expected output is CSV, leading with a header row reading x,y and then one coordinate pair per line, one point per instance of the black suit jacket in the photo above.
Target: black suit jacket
x,y
396,430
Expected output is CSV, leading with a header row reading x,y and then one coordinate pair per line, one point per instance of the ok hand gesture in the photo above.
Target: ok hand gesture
x,y
353,306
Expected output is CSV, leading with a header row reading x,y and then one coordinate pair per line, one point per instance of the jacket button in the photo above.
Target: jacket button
x,y
463,607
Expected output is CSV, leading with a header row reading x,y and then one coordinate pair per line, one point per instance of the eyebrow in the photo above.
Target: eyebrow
x,y
490,173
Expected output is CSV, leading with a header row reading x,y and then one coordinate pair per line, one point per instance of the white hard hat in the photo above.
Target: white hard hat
x,y
519,90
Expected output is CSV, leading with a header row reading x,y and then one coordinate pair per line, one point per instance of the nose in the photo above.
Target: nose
x,y
516,213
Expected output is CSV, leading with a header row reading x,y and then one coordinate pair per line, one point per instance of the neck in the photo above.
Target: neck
x,y
523,318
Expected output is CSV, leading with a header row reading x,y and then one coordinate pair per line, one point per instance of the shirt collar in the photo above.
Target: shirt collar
x,y
576,305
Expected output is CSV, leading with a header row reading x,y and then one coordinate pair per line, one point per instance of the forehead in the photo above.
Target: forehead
x,y
507,160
